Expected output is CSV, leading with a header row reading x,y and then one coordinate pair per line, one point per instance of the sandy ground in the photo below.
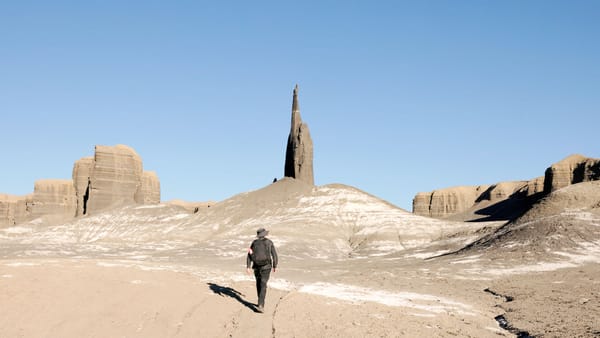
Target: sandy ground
x,y
71,298
561,303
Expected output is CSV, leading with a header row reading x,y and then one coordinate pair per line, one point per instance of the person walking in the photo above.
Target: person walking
x,y
263,256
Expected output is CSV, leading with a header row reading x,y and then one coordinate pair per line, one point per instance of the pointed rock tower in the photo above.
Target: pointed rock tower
x,y
299,154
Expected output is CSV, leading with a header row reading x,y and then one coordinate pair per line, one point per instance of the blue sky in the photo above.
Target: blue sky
x,y
400,97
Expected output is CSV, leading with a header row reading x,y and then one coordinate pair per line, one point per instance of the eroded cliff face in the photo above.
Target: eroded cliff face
x,y
534,187
571,170
50,198
53,197
513,194
149,191
443,202
14,209
113,177
82,171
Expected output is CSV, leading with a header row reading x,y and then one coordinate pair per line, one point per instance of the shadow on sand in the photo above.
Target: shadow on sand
x,y
233,293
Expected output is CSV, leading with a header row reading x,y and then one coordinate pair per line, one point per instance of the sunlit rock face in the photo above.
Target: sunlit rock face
x,y
53,197
444,202
113,177
50,198
149,191
534,186
13,209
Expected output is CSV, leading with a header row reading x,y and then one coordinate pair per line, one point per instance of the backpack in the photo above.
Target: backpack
x,y
260,253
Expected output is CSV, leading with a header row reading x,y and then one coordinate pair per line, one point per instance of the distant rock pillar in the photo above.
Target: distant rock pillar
x,y
299,153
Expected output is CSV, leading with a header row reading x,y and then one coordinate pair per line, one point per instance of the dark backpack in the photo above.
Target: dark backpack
x,y
260,253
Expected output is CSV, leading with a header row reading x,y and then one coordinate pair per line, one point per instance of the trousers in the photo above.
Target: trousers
x,y
262,277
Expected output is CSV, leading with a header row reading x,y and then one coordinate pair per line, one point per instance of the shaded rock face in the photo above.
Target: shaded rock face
x,y
571,170
299,153
112,177
508,198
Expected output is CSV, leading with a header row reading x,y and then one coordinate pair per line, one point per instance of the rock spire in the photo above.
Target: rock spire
x,y
299,153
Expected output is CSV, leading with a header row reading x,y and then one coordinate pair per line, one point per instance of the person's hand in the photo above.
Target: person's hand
x,y
248,270
274,270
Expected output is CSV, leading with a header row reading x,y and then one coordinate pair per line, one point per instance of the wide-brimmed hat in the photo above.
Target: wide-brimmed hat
x,y
261,232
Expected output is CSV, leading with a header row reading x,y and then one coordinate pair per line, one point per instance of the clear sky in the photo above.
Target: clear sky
x,y
400,97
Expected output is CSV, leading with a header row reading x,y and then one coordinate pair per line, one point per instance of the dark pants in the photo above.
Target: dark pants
x,y
262,277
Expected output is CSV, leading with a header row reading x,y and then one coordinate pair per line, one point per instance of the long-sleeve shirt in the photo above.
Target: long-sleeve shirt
x,y
270,249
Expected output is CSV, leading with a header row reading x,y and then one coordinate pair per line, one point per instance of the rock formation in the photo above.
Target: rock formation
x,y
115,177
440,203
149,190
501,197
533,187
571,170
112,177
82,170
14,209
299,153
50,198
53,197
501,191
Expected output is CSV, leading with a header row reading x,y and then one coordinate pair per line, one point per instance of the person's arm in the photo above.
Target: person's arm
x,y
248,259
274,254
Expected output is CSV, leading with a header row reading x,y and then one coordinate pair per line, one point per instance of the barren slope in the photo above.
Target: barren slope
x,y
348,261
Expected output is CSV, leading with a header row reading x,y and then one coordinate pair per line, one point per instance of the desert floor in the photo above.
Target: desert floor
x,y
99,298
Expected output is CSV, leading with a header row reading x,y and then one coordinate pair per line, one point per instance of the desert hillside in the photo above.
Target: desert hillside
x,y
351,265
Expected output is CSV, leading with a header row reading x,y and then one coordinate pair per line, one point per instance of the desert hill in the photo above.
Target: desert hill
x,y
330,222
330,240
566,219
351,265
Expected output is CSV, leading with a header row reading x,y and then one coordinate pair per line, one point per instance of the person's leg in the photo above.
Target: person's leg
x,y
264,278
258,283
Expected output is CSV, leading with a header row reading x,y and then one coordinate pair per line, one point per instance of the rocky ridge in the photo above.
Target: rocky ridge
x,y
504,200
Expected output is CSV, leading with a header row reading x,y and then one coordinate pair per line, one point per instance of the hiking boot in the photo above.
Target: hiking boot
x,y
260,309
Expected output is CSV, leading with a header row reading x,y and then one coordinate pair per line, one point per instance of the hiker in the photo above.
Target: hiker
x,y
263,256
